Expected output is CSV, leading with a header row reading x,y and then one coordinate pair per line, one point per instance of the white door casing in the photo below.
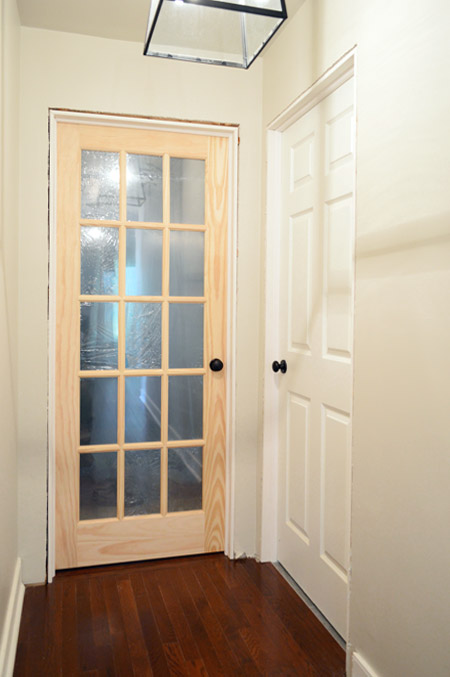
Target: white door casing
x,y
312,426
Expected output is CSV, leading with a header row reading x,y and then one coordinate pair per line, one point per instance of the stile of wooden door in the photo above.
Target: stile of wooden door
x,y
140,417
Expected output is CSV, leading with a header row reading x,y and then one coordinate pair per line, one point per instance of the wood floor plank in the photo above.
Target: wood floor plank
x,y
87,655
165,627
53,628
267,656
22,643
121,654
136,644
149,627
202,616
223,599
30,635
100,627
175,660
69,648
209,655
216,634
230,622
196,668
174,608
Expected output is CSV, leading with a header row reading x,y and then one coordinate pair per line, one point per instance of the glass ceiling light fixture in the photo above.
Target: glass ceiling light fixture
x,y
228,33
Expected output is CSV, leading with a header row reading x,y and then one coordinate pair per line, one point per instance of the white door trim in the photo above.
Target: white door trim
x,y
232,133
331,80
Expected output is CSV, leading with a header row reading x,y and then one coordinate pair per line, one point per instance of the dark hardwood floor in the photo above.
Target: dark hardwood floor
x,y
203,615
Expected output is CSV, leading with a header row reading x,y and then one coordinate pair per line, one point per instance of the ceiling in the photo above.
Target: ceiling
x,y
116,19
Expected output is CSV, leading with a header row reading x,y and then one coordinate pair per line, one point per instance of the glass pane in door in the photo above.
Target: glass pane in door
x,y
98,485
185,473
144,262
99,332
99,260
98,411
144,188
186,407
186,263
187,191
185,335
142,481
100,181
142,408
143,335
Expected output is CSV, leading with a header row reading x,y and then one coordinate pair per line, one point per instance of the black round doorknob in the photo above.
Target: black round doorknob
x,y
279,366
216,364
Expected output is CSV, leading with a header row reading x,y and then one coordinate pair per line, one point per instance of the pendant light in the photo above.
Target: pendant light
x,y
228,33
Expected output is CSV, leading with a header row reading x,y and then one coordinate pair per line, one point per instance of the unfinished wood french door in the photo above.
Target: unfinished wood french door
x,y
141,314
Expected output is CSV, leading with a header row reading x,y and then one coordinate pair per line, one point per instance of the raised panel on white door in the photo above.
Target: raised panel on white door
x,y
339,139
297,453
301,155
338,132
299,282
335,489
338,279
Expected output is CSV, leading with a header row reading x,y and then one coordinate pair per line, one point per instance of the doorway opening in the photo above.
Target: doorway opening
x,y
135,222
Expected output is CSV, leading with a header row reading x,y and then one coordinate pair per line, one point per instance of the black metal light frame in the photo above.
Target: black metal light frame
x,y
227,6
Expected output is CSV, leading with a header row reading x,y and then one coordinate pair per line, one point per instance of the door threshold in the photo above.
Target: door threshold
x,y
310,604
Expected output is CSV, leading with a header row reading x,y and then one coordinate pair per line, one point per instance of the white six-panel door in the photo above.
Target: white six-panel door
x,y
316,304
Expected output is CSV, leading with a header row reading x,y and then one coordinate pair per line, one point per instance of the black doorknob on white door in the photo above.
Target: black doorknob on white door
x,y
279,366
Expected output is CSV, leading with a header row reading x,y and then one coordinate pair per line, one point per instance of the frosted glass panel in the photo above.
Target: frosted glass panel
x,y
98,411
185,335
185,479
143,335
144,188
142,408
187,191
185,407
142,481
100,180
99,260
144,262
98,485
186,263
98,340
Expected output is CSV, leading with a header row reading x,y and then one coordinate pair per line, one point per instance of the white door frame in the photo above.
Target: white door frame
x,y
211,129
333,78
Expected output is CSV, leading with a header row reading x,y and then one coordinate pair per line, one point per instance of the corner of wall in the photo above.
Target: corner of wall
x,y
360,667
10,632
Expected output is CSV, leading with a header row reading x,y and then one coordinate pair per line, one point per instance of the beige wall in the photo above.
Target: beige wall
x,y
85,73
399,609
9,29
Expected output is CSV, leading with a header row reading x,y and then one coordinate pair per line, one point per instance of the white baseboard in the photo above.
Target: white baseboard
x,y
10,634
360,667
